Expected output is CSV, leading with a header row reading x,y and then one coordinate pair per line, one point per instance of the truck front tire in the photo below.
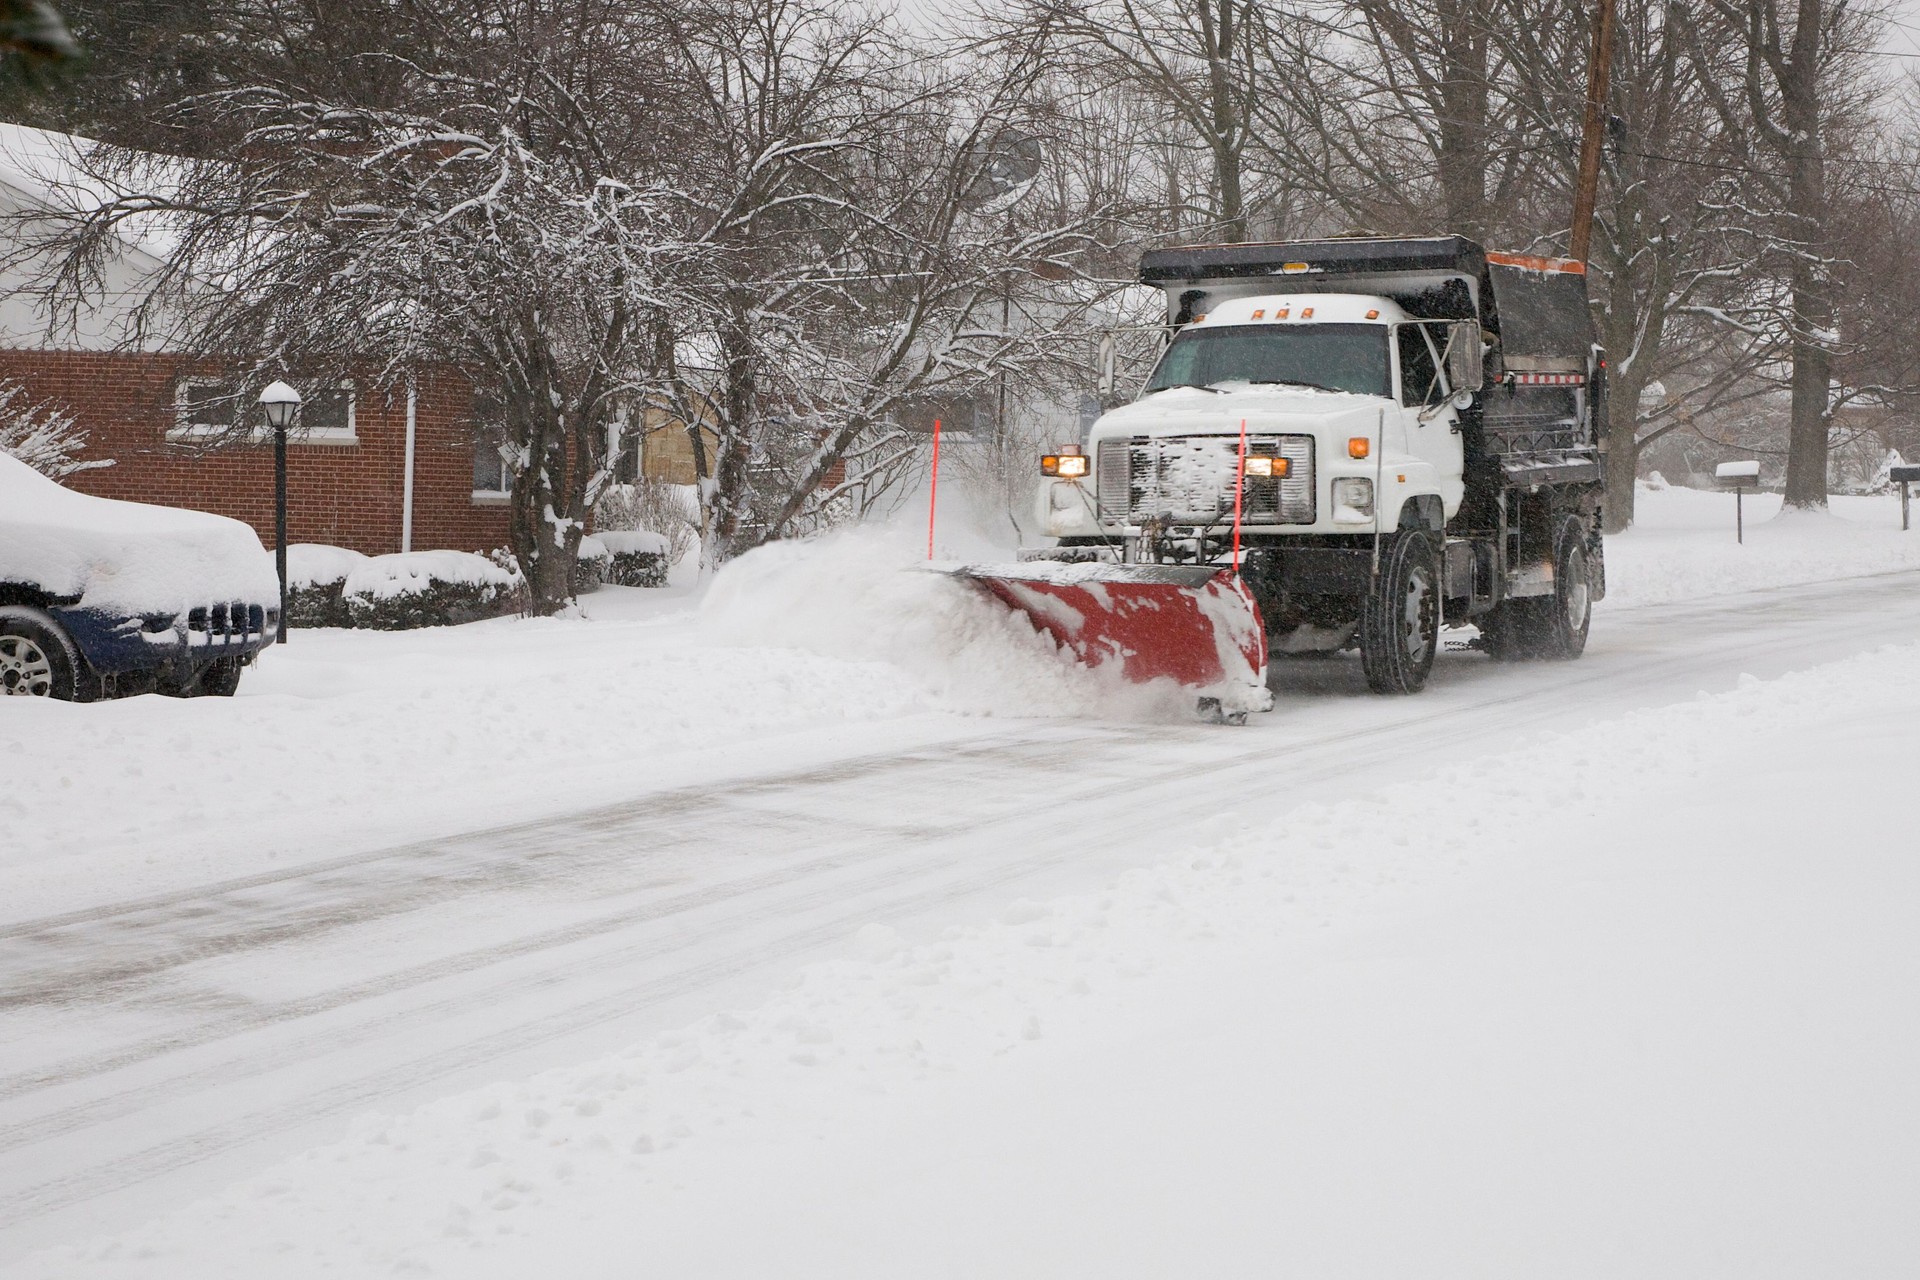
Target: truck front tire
x,y
1400,621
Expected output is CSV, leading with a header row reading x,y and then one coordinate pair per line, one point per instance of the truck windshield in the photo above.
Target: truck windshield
x,y
1333,357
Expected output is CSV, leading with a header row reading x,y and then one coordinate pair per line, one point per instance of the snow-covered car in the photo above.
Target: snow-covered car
x,y
100,597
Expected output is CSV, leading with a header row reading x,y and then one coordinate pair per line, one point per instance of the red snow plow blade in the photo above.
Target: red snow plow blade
x,y
1196,625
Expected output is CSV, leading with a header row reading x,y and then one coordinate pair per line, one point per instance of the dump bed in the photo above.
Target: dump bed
x,y
1536,308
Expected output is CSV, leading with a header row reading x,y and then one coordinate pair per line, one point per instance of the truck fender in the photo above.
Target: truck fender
x,y
1415,510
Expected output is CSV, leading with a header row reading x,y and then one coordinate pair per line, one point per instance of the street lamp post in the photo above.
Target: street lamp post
x,y
281,403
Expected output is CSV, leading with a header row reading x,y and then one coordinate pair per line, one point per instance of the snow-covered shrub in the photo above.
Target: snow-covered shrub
x,y
316,575
590,567
636,558
42,435
671,511
428,589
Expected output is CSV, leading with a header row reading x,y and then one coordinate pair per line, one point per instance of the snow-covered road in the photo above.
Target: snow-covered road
x,y
159,1046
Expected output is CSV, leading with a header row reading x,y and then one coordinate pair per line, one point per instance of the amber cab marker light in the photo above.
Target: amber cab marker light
x,y
1306,313
1260,315
1373,313
1359,447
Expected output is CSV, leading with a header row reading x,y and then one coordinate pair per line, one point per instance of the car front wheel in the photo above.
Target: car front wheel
x,y
37,659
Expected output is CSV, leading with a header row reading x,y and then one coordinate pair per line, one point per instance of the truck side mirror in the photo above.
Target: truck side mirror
x,y
1107,354
1466,369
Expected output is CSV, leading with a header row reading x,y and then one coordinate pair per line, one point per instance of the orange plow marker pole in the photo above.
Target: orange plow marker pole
x,y
1239,487
933,487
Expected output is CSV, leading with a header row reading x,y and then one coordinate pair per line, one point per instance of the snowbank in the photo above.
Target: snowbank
x,y
1629,1014
124,557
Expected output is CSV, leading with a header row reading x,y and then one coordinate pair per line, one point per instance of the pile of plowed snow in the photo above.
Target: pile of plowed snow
x,y
864,595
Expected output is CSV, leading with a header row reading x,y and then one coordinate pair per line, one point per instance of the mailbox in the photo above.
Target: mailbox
x,y
1904,476
1739,477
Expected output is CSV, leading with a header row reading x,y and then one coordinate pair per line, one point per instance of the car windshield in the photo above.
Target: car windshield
x,y
1332,357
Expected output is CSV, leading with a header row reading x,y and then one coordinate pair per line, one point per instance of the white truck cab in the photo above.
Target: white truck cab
x,y
1350,392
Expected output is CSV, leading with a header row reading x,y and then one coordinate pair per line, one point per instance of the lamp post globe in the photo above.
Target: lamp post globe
x,y
281,402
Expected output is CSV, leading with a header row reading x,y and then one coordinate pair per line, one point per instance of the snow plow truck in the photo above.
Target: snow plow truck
x,y
1345,443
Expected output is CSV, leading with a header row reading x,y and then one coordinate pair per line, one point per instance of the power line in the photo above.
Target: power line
x,y
1750,169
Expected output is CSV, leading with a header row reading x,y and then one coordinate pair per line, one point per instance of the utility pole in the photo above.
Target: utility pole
x,y
1594,130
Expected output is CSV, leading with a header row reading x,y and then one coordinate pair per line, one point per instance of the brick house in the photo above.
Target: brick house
x,y
170,430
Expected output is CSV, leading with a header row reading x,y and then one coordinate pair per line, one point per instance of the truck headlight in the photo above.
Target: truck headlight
x,y
1352,498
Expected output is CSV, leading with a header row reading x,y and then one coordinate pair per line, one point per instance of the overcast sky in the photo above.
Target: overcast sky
x,y
1904,36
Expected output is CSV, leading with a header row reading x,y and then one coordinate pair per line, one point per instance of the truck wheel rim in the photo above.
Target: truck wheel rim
x,y
1419,601
25,671
1579,598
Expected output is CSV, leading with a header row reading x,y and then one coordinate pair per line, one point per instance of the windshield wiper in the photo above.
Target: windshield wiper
x,y
1191,386
1289,382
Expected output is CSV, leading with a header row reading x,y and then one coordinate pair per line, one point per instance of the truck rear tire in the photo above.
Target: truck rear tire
x,y
1552,627
1400,621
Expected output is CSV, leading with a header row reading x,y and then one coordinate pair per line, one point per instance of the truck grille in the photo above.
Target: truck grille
x,y
1191,479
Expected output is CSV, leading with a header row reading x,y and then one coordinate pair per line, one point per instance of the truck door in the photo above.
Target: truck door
x,y
1425,414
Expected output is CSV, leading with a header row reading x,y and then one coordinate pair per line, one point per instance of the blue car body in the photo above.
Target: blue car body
x,y
142,597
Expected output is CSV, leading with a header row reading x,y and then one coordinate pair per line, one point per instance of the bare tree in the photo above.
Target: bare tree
x,y
1786,80
1199,61
1420,115
1667,252
858,258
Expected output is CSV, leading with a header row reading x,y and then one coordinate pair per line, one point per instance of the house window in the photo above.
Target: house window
x,y
203,409
326,415
210,410
492,478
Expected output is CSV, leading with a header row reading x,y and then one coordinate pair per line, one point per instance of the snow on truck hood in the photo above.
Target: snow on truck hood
x,y
1191,410
124,557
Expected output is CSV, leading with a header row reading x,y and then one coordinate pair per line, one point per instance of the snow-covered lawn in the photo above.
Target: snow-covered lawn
x,y
1682,545
347,739
1636,1003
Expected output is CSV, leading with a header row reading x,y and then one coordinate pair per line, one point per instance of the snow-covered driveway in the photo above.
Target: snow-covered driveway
x,y
159,1045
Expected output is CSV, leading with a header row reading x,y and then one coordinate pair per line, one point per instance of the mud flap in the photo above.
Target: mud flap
x,y
1195,625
